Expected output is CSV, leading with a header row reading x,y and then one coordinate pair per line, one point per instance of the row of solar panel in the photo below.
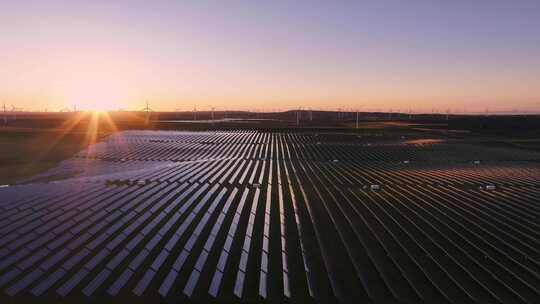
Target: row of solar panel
x,y
146,150
493,231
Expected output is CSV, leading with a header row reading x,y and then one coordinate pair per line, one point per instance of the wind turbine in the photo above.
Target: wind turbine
x,y
147,109
358,115
14,111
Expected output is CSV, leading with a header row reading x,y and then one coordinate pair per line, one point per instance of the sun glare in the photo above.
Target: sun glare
x,y
98,107
102,100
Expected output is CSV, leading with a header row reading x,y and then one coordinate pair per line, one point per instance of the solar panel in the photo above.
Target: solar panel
x,y
326,216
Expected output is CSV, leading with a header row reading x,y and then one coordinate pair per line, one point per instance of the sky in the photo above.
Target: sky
x,y
416,55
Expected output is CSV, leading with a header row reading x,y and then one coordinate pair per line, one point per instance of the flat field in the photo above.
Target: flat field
x,y
24,153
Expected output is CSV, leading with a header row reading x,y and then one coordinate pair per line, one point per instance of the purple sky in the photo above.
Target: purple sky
x,y
462,55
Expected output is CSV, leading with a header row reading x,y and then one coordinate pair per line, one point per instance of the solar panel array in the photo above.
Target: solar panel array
x,y
252,216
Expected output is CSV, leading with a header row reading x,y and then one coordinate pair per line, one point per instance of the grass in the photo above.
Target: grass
x,y
24,153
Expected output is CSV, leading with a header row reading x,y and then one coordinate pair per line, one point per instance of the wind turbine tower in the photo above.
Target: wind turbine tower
x,y
147,110
14,111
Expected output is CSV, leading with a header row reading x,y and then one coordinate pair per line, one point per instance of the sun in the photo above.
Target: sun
x,y
98,106
100,100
